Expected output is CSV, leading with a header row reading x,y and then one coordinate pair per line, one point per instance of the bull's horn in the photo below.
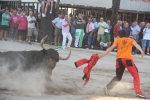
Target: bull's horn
x,y
42,42
60,58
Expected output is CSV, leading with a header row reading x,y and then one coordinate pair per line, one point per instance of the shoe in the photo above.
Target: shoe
x,y
148,54
20,41
106,91
141,96
1,39
115,50
92,46
5,39
36,41
50,12
29,42
43,15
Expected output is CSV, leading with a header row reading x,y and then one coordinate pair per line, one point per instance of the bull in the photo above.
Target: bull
x,y
31,60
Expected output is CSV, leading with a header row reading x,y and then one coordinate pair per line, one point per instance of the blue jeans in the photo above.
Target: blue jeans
x,y
136,38
88,40
93,39
145,43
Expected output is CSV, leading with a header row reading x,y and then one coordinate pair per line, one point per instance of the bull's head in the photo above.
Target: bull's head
x,y
55,55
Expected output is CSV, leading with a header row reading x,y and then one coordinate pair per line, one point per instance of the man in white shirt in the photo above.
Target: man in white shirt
x,y
65,32
31,27
146,38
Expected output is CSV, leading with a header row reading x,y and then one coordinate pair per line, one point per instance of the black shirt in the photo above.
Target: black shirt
x,y
141,33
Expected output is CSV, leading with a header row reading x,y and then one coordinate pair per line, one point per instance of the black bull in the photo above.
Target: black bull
x,y
32,60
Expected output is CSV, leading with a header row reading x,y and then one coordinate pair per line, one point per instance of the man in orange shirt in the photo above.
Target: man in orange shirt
x,y
124,60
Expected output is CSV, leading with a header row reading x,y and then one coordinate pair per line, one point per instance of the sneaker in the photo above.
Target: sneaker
x,y
43,15
148,54
115,50
1,39
141,96
106,91
36,41
5,39
92,46
50,12
29,42
20,41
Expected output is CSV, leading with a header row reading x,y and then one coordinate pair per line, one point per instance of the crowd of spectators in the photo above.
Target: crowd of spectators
x,y
87,32
80,31
19,25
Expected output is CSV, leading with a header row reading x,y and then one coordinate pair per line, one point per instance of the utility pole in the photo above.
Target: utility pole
x,y
115,8
57,7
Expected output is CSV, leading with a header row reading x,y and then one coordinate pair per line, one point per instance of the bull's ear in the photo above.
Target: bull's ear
x,y
44,51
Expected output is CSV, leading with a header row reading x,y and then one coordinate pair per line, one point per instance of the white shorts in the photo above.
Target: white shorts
x,y
105,44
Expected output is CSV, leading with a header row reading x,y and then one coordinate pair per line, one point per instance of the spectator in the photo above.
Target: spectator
x,y
108,26
65,32
22,26
39,21
31,27
57,23
11,11
5,24
19,13
80,22
141,34
105,40
14,25
116,29
73,28
135,33
48,3
127,29
146,38
1,13
95,32
89,32
101,28
121,25
35,13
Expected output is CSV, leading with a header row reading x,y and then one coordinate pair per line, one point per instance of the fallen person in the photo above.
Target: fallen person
x,y
124,60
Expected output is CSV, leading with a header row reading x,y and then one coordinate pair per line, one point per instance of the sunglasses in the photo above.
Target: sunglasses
x,y
90,20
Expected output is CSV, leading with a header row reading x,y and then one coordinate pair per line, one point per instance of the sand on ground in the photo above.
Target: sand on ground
x,y
29,86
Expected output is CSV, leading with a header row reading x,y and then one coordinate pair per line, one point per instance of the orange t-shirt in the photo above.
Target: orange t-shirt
x,y
124,46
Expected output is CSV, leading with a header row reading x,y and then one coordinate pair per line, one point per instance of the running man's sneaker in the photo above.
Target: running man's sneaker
x,y
1,39
141,96
106,90
50,12
43,15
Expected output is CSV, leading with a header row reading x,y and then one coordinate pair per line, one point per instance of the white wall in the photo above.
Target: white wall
x,y
137,5
95,3
29,0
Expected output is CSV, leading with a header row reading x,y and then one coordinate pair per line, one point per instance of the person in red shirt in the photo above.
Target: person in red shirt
x,y
116,29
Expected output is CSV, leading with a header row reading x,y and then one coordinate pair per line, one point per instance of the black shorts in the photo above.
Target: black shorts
x,y
4,27
22,32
